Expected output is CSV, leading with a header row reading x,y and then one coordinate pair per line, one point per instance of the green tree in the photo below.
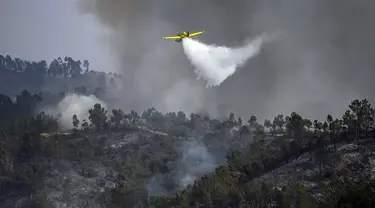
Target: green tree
x,y
86,64
348,120
6,160
53,68
367,116
234,159
117,117
308,124
317,126
126,196
259,132
332,129
268,125
26,103
75,121
356,110
295,125
345,193
231,118
85,125
325,127
98,116
6,109
252,122
279,123
239,121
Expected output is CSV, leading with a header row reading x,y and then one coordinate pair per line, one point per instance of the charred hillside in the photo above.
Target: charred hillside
x,y
119,159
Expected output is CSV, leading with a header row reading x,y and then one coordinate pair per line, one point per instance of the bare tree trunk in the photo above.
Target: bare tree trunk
x,y
334,143
320,167
357,133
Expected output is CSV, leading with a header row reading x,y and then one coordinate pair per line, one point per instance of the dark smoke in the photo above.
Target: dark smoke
x,y
325,59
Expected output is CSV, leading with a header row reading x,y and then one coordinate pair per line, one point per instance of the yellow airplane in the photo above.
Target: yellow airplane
x,y
182,35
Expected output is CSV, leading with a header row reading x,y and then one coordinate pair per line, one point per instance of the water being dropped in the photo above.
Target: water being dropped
x,y
213,63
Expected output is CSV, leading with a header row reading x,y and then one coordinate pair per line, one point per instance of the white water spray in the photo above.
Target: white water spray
x,y
216,63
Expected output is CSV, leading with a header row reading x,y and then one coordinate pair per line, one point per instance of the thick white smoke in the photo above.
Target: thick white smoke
x,y
216,63
70,105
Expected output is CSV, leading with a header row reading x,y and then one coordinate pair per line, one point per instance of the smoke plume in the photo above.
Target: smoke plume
x,y
70,105
324,61
194,163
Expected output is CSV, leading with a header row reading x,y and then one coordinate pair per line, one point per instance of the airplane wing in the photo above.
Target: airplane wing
x,y
196,33
171,37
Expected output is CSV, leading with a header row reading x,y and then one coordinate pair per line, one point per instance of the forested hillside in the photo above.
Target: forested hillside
x,y
118,159
60,75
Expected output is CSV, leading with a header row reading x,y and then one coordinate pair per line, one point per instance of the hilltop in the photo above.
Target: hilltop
x,y
152,159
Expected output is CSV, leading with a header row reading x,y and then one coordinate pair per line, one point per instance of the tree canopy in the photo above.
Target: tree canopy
x,y
116,158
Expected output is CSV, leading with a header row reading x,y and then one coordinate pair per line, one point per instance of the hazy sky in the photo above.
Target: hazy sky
x,y
325,59
47,29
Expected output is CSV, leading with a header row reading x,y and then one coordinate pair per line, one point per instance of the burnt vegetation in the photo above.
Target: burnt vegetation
x,y
111,158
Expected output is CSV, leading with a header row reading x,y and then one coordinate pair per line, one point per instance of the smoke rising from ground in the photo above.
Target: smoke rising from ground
x,y
70,105
214,63
325,60
195,162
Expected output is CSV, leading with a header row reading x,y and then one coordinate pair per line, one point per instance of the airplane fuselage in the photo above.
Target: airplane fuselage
x,y
182,35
